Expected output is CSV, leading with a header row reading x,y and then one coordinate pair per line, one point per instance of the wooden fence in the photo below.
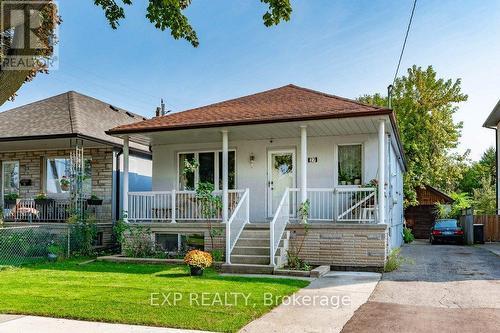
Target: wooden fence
x,y
491,226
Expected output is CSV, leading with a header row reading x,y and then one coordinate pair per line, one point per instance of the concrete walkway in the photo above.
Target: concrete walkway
x,y
24,324
324,306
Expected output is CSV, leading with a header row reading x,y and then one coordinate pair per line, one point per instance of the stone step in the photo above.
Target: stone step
x,y
250,259
247,269
259,242
255,233
249,250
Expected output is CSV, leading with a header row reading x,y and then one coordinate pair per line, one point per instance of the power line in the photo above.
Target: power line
x,y
406,38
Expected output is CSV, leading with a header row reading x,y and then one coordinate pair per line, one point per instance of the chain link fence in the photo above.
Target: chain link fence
x,y
30,244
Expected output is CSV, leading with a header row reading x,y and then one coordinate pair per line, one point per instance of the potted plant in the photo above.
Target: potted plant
x,y
65,183
54,251
10,199
42,198
94,200
197,261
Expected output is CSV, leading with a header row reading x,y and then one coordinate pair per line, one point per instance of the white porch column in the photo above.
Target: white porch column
x,y
125,176
225,167
303,163
381,171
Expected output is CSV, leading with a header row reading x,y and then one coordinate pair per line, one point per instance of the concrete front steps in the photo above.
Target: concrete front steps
x,y
252,251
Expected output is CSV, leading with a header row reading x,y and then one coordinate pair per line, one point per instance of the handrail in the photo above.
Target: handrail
x,y
236,223
358,204
278,225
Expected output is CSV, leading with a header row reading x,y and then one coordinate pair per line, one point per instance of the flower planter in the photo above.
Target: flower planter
x,y
44,201
196,271
94,202
9,202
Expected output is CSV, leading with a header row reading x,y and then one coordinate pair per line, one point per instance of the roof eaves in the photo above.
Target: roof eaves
x,y
124,130
493,117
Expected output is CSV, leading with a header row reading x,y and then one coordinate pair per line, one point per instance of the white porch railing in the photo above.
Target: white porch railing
x,y
278,225
338,204
236,223
173,206
357,205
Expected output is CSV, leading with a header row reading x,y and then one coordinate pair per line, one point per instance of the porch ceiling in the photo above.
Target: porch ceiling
x,y
315,128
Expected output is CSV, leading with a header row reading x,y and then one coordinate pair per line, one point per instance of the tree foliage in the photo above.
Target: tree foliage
x,y
476,172
163,14
484,197
11,34
169,14
424,105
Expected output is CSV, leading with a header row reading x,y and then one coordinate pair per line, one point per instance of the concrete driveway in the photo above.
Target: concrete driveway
x,y
441,288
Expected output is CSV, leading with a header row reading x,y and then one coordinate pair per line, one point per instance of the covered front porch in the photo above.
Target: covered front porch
x,y
266,173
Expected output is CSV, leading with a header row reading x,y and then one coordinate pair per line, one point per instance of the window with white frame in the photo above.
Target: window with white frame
x,y
10,177
350,164
196,167
58,179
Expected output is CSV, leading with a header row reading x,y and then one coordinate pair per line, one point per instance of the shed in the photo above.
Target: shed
x,y
421,217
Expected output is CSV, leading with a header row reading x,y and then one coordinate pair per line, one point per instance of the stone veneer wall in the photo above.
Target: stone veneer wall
x,y
342,245
32,166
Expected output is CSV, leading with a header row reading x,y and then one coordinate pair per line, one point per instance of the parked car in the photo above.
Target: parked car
x,y
446,230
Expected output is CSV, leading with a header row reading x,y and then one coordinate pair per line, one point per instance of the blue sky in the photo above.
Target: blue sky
x,y
345,47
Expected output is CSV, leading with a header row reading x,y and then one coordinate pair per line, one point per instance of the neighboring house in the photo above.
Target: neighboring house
x,y
267,153
37,141
421,218
493,122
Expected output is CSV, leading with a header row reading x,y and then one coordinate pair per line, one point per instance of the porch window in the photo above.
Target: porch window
x,y
350,164
58,170
10,177
209,169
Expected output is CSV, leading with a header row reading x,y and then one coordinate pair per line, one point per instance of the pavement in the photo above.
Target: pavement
x,y
492,247
28,324
323,306
439,288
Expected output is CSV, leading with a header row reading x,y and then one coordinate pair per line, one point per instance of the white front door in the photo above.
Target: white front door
x,y
10,178
280,175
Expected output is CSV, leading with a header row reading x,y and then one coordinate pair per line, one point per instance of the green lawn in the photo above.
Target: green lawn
x,y
121,293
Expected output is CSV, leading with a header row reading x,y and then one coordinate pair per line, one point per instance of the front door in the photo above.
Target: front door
x,y
280,175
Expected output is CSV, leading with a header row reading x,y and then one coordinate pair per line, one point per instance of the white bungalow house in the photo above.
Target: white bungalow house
x,y
266,154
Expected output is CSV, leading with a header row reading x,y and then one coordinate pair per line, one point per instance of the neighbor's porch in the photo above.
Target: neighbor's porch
x,y
39,179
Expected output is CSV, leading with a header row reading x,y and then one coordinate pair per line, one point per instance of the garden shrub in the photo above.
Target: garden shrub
x,y
394,260
138,243
408,235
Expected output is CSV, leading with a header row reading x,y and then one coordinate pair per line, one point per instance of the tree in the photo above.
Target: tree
x,y
11,35
484,197
424,105
476,172
163,14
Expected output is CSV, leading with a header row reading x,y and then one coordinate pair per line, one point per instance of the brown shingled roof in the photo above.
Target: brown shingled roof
x,y
288,103
70,113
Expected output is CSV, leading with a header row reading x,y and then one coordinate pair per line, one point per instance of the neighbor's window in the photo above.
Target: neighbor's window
x,y
58,176
350,169
10,177
209,169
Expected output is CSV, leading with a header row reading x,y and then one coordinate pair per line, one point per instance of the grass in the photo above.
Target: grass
x,y
121,293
